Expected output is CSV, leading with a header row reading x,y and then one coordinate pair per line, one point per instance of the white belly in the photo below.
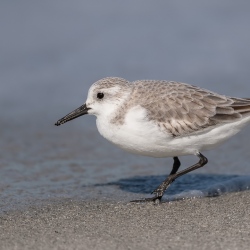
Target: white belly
x,y
140,136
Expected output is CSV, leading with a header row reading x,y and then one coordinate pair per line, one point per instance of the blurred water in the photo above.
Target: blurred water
x,y
52,51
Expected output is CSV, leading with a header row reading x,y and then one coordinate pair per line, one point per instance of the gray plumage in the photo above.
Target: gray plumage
x,y
178,108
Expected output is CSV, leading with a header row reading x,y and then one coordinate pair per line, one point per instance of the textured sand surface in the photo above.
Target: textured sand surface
x,y
209,223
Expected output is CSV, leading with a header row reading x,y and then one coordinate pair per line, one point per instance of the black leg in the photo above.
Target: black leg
x,y
159,191
175,168
176,165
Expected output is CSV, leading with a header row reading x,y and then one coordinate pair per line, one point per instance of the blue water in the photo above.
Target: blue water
x,y
52,51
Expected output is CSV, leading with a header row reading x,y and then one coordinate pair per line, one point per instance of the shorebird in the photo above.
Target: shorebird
x,y
163,119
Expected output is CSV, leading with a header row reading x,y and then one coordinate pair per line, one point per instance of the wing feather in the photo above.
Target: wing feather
x,y
185,109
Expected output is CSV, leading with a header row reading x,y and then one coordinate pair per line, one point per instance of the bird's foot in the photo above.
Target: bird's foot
x,y
156,200
159,191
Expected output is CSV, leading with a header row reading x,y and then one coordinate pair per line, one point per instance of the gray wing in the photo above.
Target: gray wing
x,y
183,109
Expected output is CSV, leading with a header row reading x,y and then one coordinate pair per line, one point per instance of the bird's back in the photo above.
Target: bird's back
x,y
182,109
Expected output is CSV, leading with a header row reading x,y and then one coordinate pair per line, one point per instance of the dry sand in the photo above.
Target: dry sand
x,y
208,223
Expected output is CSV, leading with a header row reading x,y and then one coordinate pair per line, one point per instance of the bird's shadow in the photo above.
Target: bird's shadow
x,y
205,185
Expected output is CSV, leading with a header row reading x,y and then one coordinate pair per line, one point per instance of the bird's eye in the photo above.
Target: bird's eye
x,y
100,95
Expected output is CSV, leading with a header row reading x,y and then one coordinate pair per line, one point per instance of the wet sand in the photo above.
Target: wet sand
x,y
208,223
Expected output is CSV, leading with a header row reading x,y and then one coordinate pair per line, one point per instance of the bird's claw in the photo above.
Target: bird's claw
x,y
155,199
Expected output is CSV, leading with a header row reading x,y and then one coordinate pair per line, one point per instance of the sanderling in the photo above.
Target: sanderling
x,y
163,119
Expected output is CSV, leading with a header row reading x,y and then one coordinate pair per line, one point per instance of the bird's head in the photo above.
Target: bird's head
x,y
104,97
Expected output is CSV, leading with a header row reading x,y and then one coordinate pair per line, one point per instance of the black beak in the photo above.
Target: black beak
x,y
83,110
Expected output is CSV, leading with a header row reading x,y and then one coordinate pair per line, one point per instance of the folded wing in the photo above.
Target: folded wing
x,y
182,109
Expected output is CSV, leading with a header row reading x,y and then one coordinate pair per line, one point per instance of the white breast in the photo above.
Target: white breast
x,y
137,135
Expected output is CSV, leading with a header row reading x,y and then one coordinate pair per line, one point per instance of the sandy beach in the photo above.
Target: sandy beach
x,y
208,223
